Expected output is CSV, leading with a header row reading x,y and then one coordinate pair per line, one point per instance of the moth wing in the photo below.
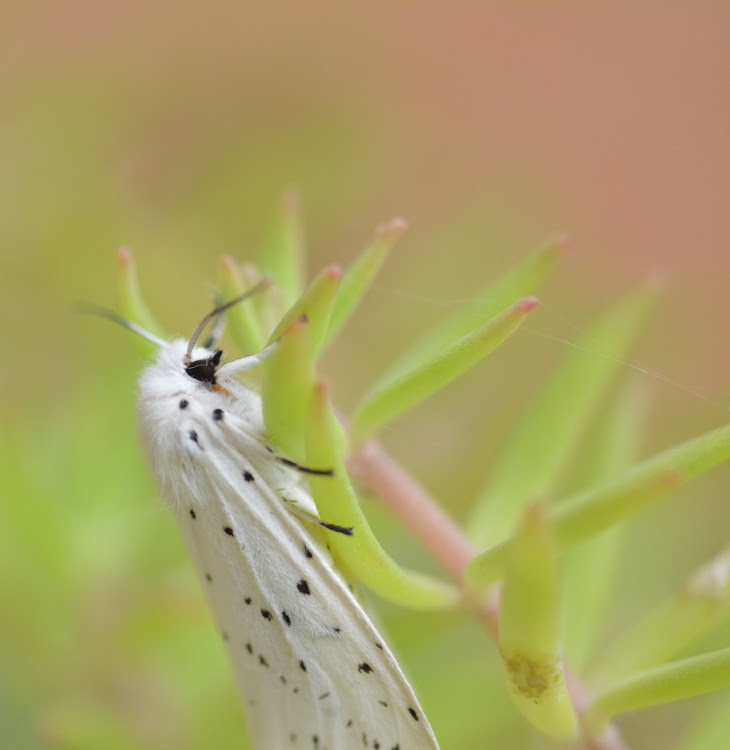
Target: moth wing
x,y
312,668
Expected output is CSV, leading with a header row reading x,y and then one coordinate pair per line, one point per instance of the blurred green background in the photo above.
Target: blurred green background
x,y
173,128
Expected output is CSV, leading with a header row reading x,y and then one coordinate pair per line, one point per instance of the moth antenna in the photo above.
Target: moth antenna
x,y
215,335
104,312
263,284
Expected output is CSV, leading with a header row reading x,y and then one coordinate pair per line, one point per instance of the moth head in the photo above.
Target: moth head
x,y
207,369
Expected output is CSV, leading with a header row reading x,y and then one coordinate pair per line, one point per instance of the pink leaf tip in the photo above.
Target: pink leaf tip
x,y
290,200
527,304
321,390
124,257
392,229
334,272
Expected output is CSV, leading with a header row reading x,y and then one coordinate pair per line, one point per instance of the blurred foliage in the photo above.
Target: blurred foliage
x,y
153,131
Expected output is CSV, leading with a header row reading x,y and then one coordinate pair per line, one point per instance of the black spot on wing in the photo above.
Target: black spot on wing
x,y
285,617
192,514
209,578
183,403
336,629
303,587
379,645
413,713
364,667
263,661
383,703
249,648
217,415
307,551
228,530
193,435
247,600
248,476
266,614
302,665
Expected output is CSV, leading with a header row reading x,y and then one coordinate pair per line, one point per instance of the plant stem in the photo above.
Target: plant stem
x,y
381,474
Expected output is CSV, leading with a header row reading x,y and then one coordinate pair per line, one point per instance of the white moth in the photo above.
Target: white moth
x,y
312,668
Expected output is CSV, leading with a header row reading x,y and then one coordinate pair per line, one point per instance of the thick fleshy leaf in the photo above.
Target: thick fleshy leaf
x,y
414,386
671,682
287,388
589,572
359,276
130,302
521,281
529,630
360,555
282,253
243,321
699,606
545,436
316,305
582,517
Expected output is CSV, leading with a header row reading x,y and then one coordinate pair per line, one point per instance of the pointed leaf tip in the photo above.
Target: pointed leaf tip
x,y
130,301
334,272
321,390
562,244
291,200
413,386
528,304
361,273
124,257
392,229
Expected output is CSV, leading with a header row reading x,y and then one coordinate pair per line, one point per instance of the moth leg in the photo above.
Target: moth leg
x,y
300,505
303,469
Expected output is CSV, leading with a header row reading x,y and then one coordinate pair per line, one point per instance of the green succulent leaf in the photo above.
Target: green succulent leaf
x,y
521,281
282,253
360,555
287,387
584,516
699,606
545,436
590,570
244,322
360,275
529,630
671,682
130,301
316,305
414,386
